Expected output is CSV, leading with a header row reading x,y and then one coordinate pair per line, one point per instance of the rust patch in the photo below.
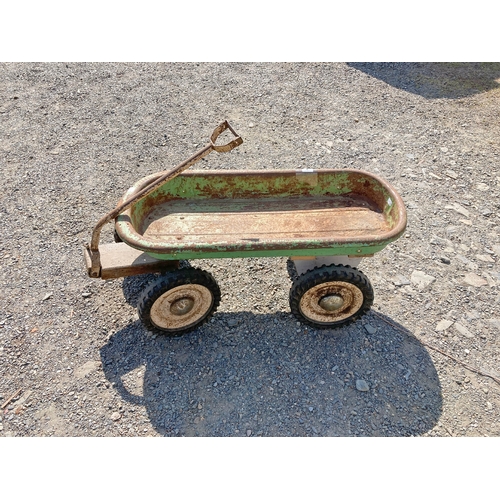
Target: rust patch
x,y
346,299
264,211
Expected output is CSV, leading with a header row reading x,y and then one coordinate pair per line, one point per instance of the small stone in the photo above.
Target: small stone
x,y
471,315
474,280
329,144
116,416
232,322
495,323
443,325
464,331
489,406
421,280
311,408
459,209
400,280
370,329
251,125
482,186
47,296
496,249
436,240
452,174
444,149
249,432
362,386
445,260
485,258
86,294
463,259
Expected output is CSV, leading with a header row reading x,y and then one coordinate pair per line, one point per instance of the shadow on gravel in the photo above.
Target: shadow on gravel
x,y
436,80
253,374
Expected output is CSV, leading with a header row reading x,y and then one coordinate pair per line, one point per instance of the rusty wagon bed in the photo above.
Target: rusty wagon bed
x,y
326,221
208,214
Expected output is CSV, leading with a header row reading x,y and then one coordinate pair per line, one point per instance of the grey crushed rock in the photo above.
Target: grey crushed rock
x,y
421,280
370,329
475,280
463,330
76,136
443,325
362,386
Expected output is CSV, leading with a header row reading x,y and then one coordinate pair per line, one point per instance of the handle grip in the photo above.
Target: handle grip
x,y
224,148
93,248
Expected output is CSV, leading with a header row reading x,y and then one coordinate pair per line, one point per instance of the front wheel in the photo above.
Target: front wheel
x,y
179,302
331,296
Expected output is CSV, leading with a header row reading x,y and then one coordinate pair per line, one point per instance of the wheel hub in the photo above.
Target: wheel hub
x,y
182,306
331,302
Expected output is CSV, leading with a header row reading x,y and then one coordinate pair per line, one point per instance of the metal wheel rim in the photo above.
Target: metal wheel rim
x,y
163,317
352,302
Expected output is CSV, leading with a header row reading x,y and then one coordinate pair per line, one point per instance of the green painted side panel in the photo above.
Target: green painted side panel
x,y
342,250
202,185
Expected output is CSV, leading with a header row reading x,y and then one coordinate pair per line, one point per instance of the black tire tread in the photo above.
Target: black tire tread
x,y
168,281
325,273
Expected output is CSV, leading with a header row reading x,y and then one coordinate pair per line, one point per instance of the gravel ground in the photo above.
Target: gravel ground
x,y
75,137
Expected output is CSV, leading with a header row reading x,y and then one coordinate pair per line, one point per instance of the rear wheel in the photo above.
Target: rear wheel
x,y
179,302
331,296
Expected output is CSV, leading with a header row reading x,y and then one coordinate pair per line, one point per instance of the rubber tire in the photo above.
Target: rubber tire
x,y
325,274
168,282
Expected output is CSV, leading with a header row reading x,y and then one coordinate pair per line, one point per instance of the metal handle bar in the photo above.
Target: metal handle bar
x,y
93,248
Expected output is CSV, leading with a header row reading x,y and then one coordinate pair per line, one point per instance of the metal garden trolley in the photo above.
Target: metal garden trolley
x,y
325,220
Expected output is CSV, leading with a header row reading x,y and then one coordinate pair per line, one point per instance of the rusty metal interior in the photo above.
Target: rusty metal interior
x,y
254,219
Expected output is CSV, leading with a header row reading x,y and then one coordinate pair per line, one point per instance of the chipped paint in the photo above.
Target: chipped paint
x,y
208,214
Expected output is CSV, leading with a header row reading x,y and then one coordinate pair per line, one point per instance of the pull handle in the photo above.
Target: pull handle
x,y
93,248
224,148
